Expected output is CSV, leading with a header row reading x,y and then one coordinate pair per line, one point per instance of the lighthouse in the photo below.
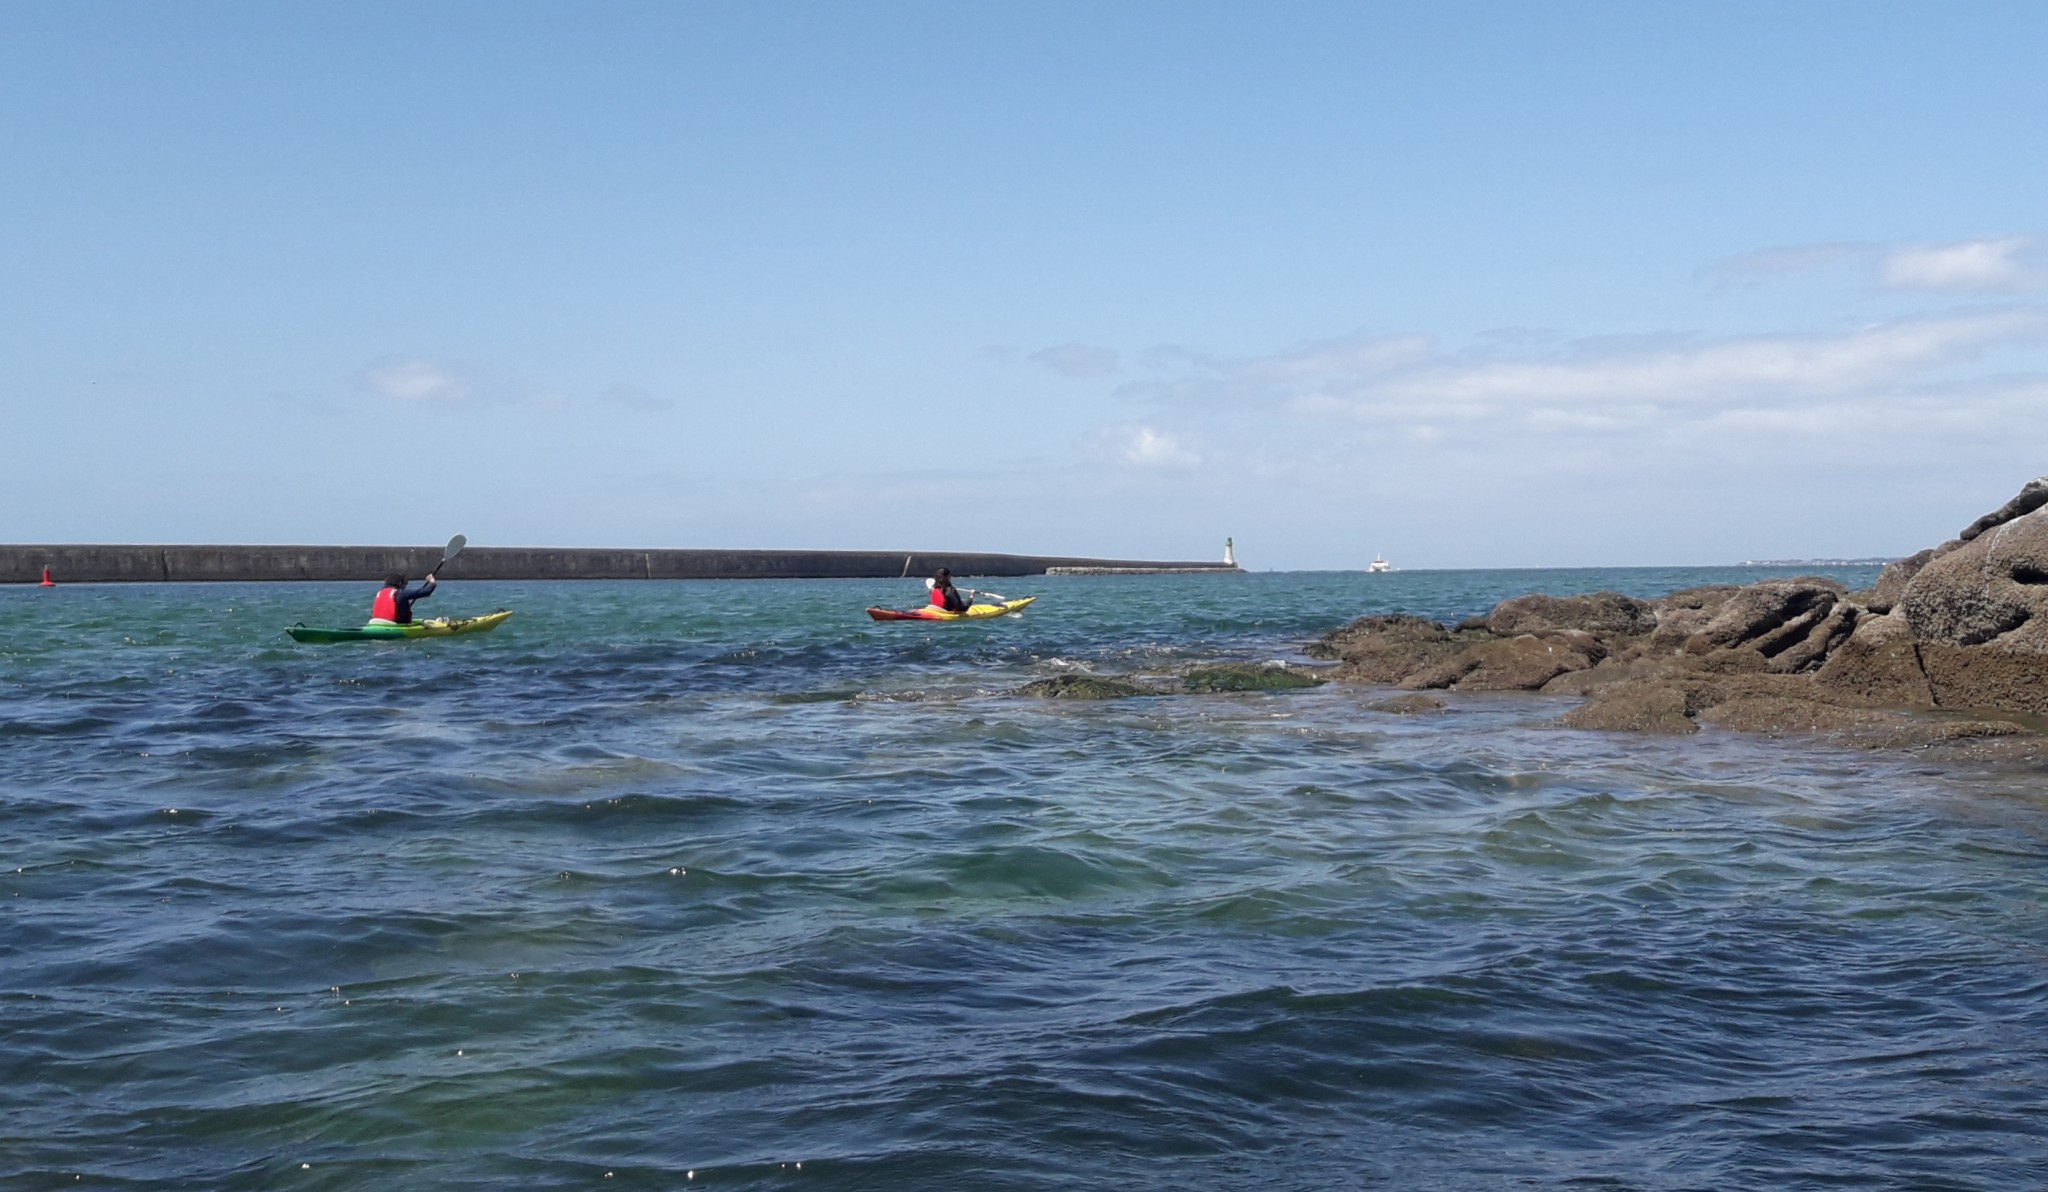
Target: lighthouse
x,y
1229,553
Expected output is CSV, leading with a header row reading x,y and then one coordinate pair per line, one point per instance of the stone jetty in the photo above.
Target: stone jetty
x,y
255,564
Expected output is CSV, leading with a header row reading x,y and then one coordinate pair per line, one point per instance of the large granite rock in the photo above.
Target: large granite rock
x,y
1770,617
1992,586
1979,617
1879,663
1884,595
2031,497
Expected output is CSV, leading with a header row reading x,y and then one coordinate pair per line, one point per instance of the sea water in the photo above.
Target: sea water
x,y
724,885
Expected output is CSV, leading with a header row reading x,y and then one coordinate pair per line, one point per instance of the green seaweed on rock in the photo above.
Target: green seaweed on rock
x,y
1247,676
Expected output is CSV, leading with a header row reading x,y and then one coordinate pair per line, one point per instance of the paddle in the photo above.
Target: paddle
x,y
455,546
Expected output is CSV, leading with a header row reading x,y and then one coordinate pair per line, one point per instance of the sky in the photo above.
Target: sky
x,y
1457,284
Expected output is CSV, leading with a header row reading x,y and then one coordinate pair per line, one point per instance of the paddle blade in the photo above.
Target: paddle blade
x,y
455,546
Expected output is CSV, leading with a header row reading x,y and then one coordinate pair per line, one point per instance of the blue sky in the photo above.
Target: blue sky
x,y
1464,284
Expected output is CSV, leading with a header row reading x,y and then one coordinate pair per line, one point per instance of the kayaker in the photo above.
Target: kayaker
x,y
945,595
394,603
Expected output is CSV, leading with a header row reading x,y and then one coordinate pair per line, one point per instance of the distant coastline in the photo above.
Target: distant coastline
x,y
89,563
1873,561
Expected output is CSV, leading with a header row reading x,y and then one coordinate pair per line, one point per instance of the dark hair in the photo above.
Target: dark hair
x,y
394,580
943,574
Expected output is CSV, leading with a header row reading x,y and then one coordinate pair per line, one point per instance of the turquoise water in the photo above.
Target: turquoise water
x,y
724,885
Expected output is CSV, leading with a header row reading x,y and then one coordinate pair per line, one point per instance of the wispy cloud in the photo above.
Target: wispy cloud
x,y
1612,381
1077,360
2004,265
1351,364
1792,258
633,397
1992,265
424,383
416,381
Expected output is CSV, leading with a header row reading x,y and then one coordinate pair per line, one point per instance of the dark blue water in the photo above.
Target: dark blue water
x,y
724,885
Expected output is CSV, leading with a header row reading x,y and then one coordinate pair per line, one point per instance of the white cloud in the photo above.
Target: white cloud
x,y
1077,360
1970,266
419,381
1147,448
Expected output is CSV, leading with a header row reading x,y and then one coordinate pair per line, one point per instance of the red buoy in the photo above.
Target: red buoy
x,y
47,581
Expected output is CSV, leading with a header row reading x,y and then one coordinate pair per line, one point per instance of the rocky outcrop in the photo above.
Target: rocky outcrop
x,y
1961,627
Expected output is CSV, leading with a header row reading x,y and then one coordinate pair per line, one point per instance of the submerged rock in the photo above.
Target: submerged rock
x,y
1084,687
1412,704
1248,676
1635,707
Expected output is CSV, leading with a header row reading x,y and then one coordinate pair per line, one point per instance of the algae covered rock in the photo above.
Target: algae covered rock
x,y
1412,704
1389,647
1636,706
1248,676
1600,613
1084,687
1522,663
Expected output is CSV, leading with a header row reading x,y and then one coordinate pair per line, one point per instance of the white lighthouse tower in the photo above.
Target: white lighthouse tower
x,y
1229,553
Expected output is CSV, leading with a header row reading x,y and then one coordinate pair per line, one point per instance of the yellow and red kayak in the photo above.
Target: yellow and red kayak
x,y
975,612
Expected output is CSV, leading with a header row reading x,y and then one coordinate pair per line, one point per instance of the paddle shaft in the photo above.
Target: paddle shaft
x,y
454,548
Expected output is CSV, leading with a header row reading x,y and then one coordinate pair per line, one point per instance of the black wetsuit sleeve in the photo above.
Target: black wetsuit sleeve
x,y
407,595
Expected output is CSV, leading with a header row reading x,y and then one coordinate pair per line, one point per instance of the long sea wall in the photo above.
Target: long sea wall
x,y
246,564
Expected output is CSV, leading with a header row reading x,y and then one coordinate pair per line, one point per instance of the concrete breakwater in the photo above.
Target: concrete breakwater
x,y
254,564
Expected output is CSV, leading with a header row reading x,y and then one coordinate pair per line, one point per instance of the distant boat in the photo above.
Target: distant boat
x,y
1379,564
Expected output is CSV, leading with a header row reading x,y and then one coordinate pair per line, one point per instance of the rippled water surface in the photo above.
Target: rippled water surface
x,y
724,885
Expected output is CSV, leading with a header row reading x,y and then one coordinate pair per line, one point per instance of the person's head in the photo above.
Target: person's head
x,y
394,580
943,576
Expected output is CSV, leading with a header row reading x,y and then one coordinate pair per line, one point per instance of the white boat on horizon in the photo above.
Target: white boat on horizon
x,y
1378,565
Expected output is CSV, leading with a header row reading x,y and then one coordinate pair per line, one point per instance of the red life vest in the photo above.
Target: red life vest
x,y
938,596
386,606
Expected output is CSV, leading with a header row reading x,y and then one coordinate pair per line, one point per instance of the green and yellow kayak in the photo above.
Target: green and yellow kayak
x,y
432,627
